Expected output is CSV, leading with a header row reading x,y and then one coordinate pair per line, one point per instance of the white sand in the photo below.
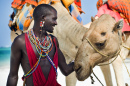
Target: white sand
x,y
61,79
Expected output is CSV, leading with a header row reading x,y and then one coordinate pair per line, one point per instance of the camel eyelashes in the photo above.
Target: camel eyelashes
x,y
100,45
103,33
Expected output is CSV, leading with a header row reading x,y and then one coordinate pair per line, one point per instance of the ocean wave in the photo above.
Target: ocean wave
x,y
8,46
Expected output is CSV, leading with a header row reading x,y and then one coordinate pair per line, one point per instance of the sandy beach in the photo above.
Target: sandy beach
x,y
4,70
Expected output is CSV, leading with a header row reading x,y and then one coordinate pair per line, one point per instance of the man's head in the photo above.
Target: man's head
x,y
47,13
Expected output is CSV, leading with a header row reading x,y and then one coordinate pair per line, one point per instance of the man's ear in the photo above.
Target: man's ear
x,y
92,18
118,25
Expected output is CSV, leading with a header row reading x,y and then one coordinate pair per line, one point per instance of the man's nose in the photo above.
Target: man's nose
x,y
55,22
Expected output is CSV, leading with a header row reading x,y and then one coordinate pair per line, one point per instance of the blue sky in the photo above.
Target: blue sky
x,y
5,11
88,6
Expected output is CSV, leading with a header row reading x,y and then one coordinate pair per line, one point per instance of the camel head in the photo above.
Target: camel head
x,y
103,35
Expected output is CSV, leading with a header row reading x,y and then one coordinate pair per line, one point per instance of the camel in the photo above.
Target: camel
x,y
118,63
98,36
70,41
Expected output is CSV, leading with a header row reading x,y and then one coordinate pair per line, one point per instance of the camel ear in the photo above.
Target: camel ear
x,y
92,18
118,25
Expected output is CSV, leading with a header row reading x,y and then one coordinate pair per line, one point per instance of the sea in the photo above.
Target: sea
x,y
5,56
4,64
5,53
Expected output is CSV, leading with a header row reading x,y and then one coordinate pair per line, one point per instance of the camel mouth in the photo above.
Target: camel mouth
x,y
83,74
78,70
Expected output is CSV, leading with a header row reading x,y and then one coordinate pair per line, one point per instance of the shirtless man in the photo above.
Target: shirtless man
x,y
38,52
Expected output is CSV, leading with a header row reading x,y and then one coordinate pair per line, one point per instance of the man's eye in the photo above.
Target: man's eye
x,y
54,18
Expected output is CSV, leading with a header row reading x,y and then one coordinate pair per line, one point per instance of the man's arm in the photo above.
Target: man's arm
x,y
65,68
14,63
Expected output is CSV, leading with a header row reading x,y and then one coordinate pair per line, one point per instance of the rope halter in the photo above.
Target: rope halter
x,y
116,54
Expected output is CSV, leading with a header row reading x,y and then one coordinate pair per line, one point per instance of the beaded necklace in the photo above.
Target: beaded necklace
x,y
43,48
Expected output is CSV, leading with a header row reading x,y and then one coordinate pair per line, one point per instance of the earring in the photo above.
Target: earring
x,y
42,23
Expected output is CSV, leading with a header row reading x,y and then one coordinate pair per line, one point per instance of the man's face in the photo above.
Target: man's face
x,y
50,21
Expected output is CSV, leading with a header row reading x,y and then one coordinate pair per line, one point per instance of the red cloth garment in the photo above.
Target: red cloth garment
x,y
18,4
99,3
33,2
121,6
78,4
104,9
38,76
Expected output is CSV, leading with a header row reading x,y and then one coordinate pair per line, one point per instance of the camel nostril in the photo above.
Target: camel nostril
x,y
78,69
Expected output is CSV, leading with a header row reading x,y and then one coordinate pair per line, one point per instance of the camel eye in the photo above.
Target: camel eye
x,y
103,33
100,45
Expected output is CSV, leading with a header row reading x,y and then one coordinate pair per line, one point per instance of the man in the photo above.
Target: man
x,y
38,52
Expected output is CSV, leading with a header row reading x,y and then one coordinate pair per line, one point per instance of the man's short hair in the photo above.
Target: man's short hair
x,y
42,9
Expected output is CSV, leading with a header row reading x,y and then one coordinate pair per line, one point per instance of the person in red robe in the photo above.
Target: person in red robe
x,y
38,52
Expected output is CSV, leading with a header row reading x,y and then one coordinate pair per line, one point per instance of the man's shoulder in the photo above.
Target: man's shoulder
x,y
20,39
